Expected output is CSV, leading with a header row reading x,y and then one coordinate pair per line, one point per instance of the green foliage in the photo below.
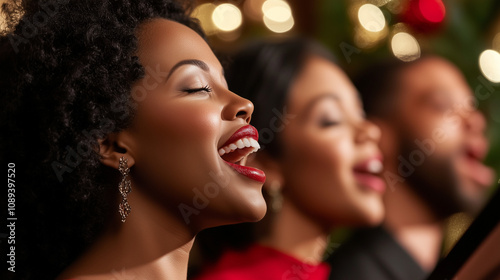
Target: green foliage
x,y
468,30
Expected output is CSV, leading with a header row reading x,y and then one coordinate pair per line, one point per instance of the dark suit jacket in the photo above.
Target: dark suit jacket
x,y
373,254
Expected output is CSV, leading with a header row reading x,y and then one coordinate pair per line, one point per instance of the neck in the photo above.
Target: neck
x,y
297,235
152,244
414,225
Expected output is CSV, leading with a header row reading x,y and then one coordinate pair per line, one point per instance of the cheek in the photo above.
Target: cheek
x,y
319,172
176,141
444,132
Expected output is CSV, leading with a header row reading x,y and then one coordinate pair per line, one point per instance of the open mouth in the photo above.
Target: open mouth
x,y
236,150
368,172
481,174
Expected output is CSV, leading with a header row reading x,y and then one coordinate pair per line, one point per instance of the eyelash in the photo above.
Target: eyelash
x,y
206,89
324,123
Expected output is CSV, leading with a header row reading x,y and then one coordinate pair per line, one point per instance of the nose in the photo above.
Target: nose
x,y
368,132
237,107
475,122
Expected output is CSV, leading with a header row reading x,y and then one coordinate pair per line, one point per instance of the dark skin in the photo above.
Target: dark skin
x,y
171,147
327,137
433,105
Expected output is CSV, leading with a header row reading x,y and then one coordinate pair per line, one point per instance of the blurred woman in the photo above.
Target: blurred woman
x,y
320,156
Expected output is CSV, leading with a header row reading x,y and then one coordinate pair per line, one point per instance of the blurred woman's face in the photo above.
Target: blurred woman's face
x,y
185,115
330,159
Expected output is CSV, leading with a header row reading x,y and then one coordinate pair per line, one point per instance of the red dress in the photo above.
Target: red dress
x,y
263,263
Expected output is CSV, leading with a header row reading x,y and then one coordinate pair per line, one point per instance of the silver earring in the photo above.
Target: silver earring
x,y
125,187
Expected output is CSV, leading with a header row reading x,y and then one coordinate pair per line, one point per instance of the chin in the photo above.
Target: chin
x,y
259,212
375,215
371,215
375,219
255,209
242,211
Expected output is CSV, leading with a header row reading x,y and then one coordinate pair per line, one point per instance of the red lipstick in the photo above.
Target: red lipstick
x,y
245,131
239,146
250,172
367,173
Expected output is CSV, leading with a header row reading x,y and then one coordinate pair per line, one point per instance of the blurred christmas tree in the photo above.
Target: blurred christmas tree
x,y
363,31
360,32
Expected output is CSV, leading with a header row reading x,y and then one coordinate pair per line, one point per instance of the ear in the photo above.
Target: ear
x,y
272,168
117,145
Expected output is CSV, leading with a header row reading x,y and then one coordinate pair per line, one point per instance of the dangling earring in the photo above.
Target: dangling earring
x,y
274,192
125,188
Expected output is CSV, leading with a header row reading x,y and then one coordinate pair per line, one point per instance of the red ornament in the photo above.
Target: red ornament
x,y
424,16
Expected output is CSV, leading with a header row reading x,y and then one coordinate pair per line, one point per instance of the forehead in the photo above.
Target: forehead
x,y
433,75
167,42
319,77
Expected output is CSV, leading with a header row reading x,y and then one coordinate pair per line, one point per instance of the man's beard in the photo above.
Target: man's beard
x,y
435,180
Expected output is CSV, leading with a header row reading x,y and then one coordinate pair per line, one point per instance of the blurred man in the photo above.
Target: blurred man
x,y
433,143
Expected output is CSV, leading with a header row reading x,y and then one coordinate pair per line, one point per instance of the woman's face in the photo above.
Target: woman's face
x,y
330,155
185,114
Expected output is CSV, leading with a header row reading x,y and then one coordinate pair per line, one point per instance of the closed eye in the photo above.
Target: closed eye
x,y
325,123
206,89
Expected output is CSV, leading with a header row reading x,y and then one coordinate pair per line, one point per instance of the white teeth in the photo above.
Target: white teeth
x,y
375,166
246,142
254,143
240,144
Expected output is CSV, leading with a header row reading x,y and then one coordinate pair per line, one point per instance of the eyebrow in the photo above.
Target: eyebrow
x,y
202,65
312,103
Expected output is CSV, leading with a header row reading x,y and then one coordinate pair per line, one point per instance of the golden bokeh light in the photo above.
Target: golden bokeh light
x,y
405,47
227,17
365,39
371,18
204,14
277,11
489,63
279,27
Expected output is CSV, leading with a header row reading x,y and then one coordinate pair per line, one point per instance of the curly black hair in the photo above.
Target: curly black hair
x,y
66,72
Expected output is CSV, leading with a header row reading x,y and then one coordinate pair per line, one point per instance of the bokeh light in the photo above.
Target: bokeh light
x,y
489,62
277,10
366,40
204,14
277,16
227,17
432,10
371,18
405,47
279,27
